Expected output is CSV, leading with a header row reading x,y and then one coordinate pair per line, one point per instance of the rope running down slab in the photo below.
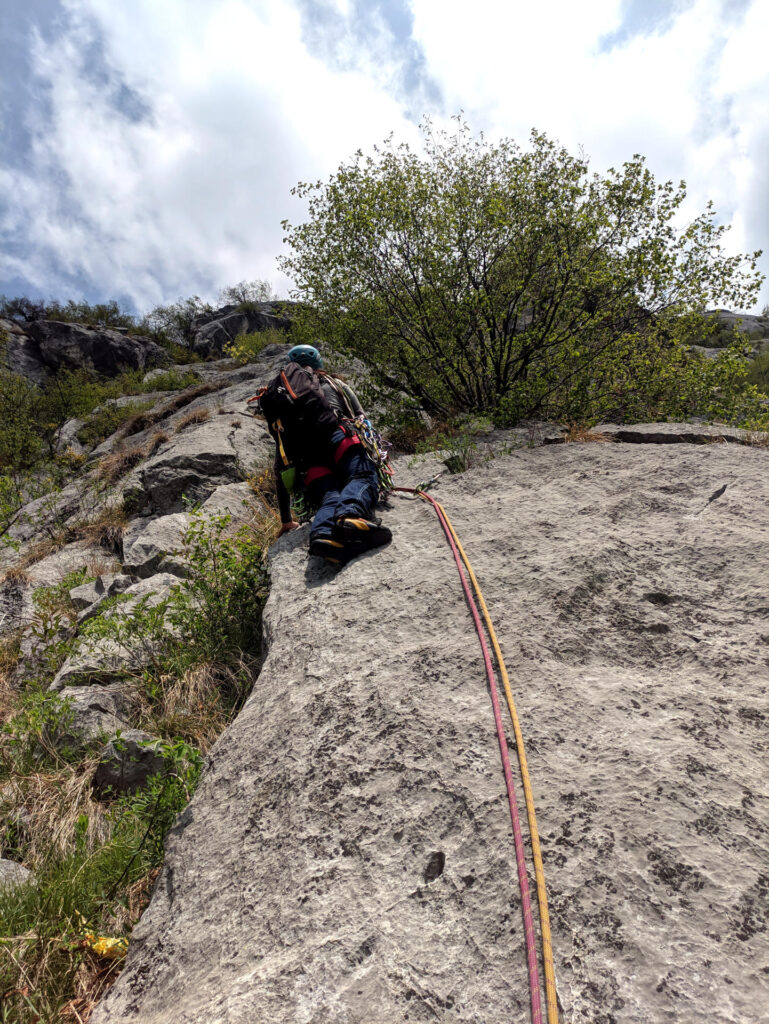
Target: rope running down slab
x,y
544,916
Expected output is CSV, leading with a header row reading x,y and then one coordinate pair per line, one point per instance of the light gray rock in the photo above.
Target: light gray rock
x,y
93,712
99,661
127,763
147,544
85,595
157,545
104,587
68,439
304,883
12,873
202,458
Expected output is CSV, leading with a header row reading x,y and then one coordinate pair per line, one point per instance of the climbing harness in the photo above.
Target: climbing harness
x,y
463,565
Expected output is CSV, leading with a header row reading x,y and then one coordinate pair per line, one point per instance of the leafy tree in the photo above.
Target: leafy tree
x,y
482,277
177,321
246,292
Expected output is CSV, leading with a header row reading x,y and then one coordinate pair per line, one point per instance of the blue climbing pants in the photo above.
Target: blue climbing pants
x,y
350,489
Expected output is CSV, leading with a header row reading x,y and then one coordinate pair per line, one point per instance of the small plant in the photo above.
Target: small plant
x,y
456,447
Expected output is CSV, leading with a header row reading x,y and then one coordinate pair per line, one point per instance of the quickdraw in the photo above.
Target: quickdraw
x,y
544,917
377,450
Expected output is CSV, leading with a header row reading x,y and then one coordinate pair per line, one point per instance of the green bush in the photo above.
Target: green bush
x,y
758,372
247,347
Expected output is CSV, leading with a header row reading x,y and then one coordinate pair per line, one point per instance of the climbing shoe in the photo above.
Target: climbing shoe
x,y
330,549
360,534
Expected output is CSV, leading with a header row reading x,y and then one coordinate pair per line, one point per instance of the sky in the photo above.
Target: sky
x,y
148,147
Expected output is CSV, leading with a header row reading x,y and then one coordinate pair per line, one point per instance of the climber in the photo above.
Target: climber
x,y
337,476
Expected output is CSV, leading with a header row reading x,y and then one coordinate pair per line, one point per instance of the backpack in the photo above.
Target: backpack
x,y
298,414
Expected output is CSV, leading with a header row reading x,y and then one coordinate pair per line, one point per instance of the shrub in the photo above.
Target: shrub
x,y
246,347
172,380
758,372
481,277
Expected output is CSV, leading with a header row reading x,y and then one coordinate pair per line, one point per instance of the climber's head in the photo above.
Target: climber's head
x,y
305,355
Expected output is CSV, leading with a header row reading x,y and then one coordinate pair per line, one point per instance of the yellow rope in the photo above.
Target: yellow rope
x,y
544,915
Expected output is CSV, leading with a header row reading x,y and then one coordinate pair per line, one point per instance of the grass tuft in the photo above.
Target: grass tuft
x,y
192,417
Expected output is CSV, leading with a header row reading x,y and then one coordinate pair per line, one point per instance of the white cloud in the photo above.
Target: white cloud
x,y
192,198
239,108
693,97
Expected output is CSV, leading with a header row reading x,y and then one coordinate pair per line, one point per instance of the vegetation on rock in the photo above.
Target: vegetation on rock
x,y
94,855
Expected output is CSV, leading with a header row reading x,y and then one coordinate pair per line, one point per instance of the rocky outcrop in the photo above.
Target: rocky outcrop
x,y
92,713
212,331
347,857
45,346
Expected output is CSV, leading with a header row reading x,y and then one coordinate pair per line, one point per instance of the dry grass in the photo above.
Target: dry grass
x,y
9,657
157,439
16,575
115,465
195,416
101,566
579,433
106,528
40,549
49,804
197,705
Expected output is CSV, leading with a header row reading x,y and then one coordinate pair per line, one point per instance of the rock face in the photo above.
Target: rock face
x,y
215,330
46,346
347,858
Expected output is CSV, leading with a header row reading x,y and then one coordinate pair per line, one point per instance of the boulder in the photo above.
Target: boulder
x,y
109,352
23,356
89,598
157,545
201,458
68,439
148,544
214,331
93,712
127,762
12,873
99,661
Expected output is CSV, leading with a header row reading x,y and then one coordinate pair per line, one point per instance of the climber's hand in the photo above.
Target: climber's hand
x,y
286,527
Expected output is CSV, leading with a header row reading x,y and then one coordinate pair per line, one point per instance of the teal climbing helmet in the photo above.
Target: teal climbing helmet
x,y
305,355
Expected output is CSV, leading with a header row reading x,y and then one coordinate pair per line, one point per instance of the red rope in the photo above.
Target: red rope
x,y
520,856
